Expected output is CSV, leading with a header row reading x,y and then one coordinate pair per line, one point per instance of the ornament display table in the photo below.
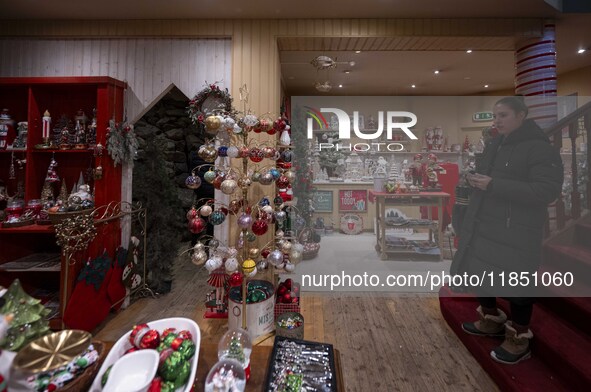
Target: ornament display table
x,y
422,199
259,364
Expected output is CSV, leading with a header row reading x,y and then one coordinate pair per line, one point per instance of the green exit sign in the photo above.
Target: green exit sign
x,y
482,116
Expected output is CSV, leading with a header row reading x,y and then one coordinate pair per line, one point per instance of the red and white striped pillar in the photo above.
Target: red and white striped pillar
x,y
535,76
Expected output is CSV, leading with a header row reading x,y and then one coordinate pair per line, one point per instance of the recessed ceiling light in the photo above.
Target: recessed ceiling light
x,y
291,77
467,78
357,51
436,72
413,86
340,85
582,50
469,51
486,86
347,72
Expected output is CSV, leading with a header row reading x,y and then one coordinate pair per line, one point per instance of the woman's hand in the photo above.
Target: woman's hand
x,y
479,181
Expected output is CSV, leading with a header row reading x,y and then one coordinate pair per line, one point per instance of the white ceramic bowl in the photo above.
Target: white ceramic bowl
x,y
133,372
123,345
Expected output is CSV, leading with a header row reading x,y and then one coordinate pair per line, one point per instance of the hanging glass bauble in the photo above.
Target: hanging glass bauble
x,y
235,206
192,214
232,152
213,244
265,252
209,176
290,175
276,156
289,267
243,152
282,182
198,246
237,129
217,183
253,253
256,176
286,246
275,173
265,124
199,257
280,216
299,223
251,275
197,225
248,266
256,155
268,152
205,210
208,153
278,200
244,182
275,257
264,201
262,265
266,179
250,120
251,237
231,264
193,182
279,234
279,125
295,256
228,186
212,123
286,155
285,139
267,209
228,123
244,221
217,217
223,151
213,264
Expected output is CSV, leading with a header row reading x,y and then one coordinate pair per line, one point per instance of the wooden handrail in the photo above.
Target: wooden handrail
x,y
574,116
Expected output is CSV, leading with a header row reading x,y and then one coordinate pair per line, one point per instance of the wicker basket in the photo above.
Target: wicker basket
x,y
83,381
294,333
310,248
58,217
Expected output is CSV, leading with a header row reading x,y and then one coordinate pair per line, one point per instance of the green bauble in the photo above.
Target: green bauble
x,y
167,341
187,349
170,369
183,374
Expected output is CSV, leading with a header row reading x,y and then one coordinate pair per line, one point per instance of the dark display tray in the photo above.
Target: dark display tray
x,y
310,346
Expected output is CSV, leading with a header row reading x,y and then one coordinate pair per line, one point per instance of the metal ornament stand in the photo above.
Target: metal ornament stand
x,y
75,234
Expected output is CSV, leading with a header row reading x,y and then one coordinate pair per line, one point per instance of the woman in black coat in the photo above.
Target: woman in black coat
x,y
517,176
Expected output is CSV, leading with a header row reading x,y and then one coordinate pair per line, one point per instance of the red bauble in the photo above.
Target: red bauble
x,y
294,300
282,182
288,283
217,183
167,331
272,131
155,385
235,279
256,155
243,152
286,298
138,330
281,290
150,340
265,252
192,214
184,334
260,227
279,125
196,226
176,343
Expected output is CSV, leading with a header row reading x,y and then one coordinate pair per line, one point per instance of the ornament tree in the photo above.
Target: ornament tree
x,y
229,137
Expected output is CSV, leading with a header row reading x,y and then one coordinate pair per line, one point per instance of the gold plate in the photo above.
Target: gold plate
x,y
52,351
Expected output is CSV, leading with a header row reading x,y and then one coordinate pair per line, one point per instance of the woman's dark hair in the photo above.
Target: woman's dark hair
x,y
517,103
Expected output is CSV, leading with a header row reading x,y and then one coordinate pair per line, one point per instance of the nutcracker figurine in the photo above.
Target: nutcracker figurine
x,y
46,129
417,170
432,172
429,138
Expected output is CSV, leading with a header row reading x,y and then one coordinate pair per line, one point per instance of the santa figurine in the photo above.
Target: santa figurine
x,y
432,171
417,170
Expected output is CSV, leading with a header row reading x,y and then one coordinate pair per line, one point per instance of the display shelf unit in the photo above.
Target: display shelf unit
x,y
27,100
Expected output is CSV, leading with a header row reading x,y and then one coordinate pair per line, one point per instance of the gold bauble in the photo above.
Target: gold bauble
x,y
286,246
212,123
199,257
295,256
253,253
208,153
290,175
248,266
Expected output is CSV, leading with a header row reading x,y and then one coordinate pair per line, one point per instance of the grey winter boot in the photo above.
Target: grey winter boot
x,y
515,348
488,325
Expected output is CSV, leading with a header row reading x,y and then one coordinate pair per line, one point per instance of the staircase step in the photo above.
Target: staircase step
x,y
569,258
583,234
559,352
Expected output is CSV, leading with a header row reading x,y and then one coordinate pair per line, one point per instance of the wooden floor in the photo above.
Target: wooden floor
x,y
387,343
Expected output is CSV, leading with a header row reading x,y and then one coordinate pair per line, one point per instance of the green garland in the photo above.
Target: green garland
x,y
122,143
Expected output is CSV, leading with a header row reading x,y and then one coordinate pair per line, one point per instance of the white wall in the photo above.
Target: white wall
x,y
148,65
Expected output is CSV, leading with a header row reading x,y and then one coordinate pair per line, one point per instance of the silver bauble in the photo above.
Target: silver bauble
x,y
289,267
267,209
266,179
280,216
256,176
228,186
213,244
290,175
253,273
250,120
275,257
262,265
231,264
205,210
279,234
232,152
228,123
198,246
